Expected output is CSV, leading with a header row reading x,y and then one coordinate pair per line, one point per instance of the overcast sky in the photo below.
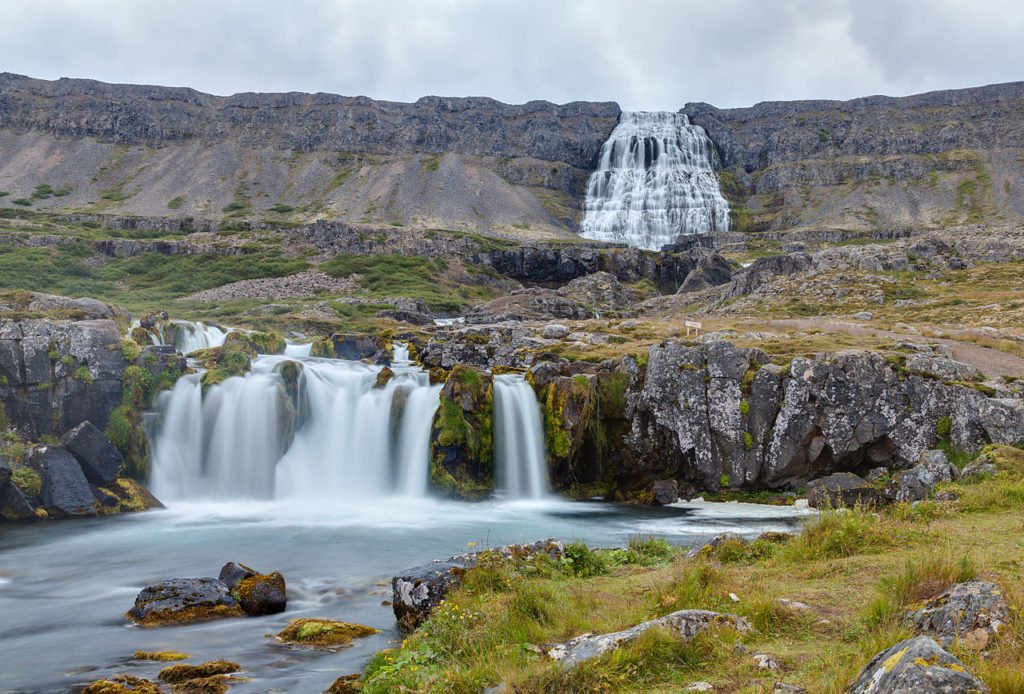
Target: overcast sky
x,y
644,54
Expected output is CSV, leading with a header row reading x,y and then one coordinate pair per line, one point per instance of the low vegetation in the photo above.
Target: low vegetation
x,y
805,596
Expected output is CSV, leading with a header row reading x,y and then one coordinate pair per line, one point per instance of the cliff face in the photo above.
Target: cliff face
x,y
938,159
464,163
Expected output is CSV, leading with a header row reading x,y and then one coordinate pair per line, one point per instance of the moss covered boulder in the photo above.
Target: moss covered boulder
x,y
354,347
257,594
224,362
123,684
183,601
462,456
323,633
258,342
916,665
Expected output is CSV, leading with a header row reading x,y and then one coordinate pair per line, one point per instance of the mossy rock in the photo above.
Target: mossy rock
x,y
183,601
175,674
160,656
129,497
323,633
258,342
462,456
223,362
384,376
141,337
123,684
262,594
323,348
346,684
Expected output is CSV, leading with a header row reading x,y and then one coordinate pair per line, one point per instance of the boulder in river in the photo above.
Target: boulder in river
x,y
916,665
323,633
257,594
96,455
65,488
183,601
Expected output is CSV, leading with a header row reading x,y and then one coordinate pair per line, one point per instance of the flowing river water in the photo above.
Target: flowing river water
x,y
334,497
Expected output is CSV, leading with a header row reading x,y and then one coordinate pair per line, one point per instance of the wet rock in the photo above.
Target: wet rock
x,y
916,665
346,684
323,633
174,674
5,471
841,489
14,506
257,594
982,466
65,489
686,624
919,482
96,455
123,684
183,601
354,347
461,460
973,610
666,492
417,591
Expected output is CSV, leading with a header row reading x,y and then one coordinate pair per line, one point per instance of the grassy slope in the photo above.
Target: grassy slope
x,y
859,572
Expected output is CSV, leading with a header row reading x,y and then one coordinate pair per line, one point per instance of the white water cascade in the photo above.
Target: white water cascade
x,y
189,336
345,438
655,182
519,455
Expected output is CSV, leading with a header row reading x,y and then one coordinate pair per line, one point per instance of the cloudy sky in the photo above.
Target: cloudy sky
x,y
645,54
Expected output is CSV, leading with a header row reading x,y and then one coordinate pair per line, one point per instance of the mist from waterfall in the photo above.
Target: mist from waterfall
x,y
655,182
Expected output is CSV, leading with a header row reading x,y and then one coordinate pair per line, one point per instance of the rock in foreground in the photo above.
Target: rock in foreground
x,y
685,623
417,591
973,611
257,594
916,665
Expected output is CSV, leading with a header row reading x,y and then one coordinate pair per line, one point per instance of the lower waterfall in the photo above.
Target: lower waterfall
x,y
519,456
334,433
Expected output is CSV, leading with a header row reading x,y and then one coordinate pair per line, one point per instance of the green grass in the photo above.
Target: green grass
x,y
145,282
858,571
176,203
417,277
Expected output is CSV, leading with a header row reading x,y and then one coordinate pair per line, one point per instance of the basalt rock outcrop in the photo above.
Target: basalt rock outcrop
x,y
935,159
716,414
469,161
461,439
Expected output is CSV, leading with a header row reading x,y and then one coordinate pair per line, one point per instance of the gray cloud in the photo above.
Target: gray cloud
x,y
645,54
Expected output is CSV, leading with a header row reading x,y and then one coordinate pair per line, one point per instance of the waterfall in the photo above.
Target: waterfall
x,y
189,336
519,455
246,438
400,353
655,182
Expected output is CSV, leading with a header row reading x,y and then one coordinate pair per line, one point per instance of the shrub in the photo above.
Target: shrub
x,y
583,561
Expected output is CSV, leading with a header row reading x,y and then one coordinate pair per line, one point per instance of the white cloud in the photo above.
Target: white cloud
x,y
654,54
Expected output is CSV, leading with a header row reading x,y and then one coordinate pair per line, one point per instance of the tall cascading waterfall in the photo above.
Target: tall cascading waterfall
x,y
519,455
655,182
347,438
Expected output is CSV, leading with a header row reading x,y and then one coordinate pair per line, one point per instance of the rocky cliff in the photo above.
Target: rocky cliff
x,y
459,163
938,159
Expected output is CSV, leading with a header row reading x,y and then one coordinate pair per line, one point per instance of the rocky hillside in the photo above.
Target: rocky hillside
x,y
939,159
456,163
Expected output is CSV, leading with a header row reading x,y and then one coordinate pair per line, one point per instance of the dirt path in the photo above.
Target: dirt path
x,y
990,362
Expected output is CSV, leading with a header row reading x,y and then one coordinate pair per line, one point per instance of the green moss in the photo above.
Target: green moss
x,y
124,427
744,407
258,342
83,374
27,479
323,633
323,348
160,656
176,203
175,674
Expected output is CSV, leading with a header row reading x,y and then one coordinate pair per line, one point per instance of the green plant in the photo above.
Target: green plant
x,y
176,203
583,561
